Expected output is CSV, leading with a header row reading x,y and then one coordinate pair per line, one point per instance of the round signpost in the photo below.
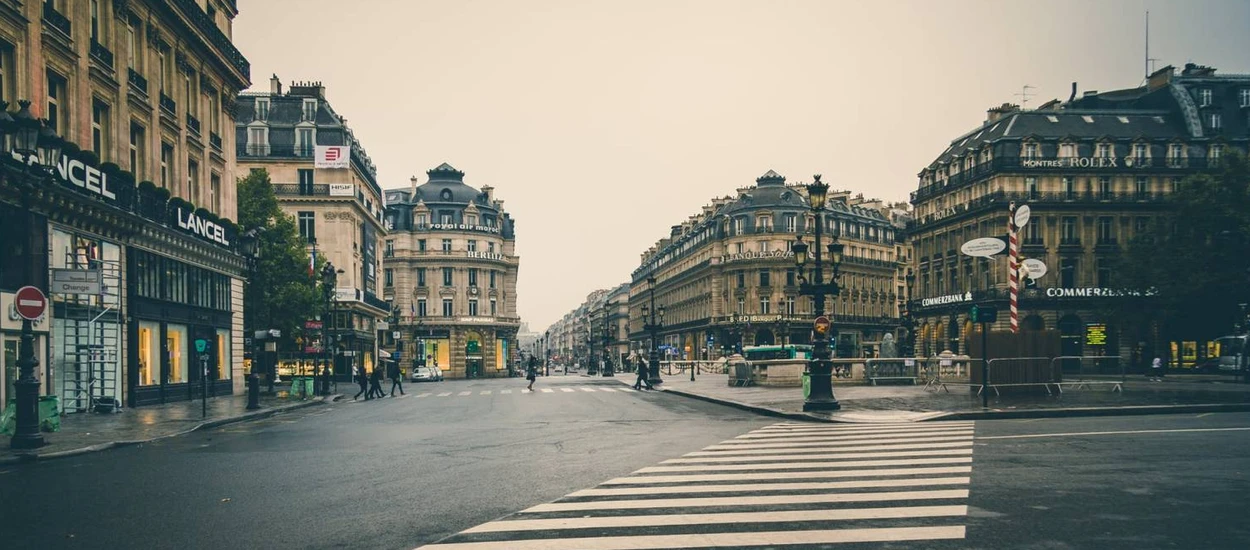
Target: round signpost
x,y
983,247
30,303
1022,216
821,325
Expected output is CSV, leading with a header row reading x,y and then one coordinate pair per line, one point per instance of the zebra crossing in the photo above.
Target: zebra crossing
x,y
788,485
491,393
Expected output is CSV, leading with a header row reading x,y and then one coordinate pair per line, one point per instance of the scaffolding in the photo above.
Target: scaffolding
x,y
90,342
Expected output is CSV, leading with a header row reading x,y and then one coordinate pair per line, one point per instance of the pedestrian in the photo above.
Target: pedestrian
x,y
642,381
531,373
392,370
375,383
363,381
1157,370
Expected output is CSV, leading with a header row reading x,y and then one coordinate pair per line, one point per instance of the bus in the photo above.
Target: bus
x,y
764,353
1232,353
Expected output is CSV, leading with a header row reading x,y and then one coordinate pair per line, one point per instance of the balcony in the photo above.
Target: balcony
x,y
102,54
56,20
193,125
137,82
215,37
276,151
372,300
214,140
299,189
168,106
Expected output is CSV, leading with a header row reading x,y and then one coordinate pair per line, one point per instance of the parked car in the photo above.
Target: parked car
x,y
427,374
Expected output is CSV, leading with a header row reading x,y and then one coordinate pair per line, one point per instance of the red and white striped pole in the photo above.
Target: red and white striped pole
x,y
1013,267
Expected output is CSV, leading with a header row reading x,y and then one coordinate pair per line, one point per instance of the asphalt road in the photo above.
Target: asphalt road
x,y
402,473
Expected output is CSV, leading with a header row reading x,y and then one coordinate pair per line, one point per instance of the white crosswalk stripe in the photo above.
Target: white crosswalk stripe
x,y
787,485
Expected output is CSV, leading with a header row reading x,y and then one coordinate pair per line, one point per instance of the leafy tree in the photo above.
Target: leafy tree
x,y
1196,261
281,294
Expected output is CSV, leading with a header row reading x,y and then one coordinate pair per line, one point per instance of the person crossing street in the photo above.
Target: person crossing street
x,y
642,380
397,379
531,372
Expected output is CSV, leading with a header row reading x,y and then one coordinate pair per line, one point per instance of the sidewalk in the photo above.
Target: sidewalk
x,y
907,403
88,432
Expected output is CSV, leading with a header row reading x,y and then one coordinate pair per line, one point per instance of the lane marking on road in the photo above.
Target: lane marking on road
x,y
945,445
852,431
748,500
463,393
1204,414
1125,432
444,394
487,392
505,391
609,390
588,389
712,519
706,540
819,456
755,476
865,427
426,394
549,390
765,487
570,390
403,395
800,444
808,465
854,437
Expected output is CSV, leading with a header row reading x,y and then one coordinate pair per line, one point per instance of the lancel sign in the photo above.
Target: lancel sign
x,y
77,172
200,227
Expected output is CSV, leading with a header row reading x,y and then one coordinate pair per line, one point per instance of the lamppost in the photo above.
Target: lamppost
x,y
608,368
653,326
329,281
591,368
908,322
784,322
739,331
22,133
547,353
820,368
249,245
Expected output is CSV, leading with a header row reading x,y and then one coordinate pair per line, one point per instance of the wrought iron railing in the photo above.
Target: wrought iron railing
x,y
263,150
214,140
102,54
168,105
218,39
193,124
56,19
137,81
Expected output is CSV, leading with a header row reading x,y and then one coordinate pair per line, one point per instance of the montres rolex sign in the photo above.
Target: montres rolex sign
x,y
200,227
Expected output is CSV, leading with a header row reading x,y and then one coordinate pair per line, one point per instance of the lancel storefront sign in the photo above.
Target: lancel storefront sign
x,y
200,227
77,172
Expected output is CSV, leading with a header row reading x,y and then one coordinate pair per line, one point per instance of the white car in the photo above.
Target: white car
x,y
427,374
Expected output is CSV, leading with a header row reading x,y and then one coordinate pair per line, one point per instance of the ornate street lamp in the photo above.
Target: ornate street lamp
x,y
653,326
49,145
249,247
329,282
784,323
25,131
820,368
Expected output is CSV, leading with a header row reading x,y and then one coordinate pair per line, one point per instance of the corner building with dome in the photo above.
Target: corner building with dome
x,y
450,271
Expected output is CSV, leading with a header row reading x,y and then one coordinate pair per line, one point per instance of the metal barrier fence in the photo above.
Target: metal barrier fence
x,y
940,372
1087,367
1019,372
704,367
891,369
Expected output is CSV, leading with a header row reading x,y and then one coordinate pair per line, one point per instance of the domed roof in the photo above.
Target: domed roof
x,y
770,191
447,185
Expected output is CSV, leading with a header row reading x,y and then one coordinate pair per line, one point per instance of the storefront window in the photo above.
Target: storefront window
x,y
179,354
10,370
224,365
149,356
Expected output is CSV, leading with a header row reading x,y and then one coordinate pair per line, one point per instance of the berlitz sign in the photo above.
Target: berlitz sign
x,y
200,227
949,299
741,256
484,255
1079,162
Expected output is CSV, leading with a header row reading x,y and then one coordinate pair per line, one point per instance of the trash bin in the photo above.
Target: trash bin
x,y
50,413
807,385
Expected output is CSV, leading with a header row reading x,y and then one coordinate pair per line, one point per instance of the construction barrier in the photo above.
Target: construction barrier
x,y
1086,371
876,370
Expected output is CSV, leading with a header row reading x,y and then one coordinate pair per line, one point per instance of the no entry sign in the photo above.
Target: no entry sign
x,y
30,303
821,325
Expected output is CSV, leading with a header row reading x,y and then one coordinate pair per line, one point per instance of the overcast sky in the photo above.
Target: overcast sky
x,y
601,124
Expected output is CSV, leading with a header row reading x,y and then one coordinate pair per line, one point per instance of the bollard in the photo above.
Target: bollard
x,y
253,392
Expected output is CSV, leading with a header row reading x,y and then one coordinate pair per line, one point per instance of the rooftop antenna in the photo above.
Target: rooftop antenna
x,y
1024,95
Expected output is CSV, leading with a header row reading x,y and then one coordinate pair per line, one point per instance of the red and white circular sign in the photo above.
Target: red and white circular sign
x,y
30,303
822,324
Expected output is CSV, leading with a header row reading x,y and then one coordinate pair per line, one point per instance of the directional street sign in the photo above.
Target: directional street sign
x,y
1022,216
30,303
1035,268
983,247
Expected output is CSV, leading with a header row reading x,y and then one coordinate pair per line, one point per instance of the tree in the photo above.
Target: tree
x,y
1196,261
282,294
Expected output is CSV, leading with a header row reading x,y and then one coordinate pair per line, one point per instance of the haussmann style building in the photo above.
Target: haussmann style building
x,y
135,202
450,269
1094,171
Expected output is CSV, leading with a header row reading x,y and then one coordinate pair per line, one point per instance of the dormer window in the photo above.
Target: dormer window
x,y
305,141
1215,152
764,223
1243,97
1140,151
1176,154
445,194
1214,121
262,108
1067,150
258,140
1204,97
1030,151
1103,151
309,112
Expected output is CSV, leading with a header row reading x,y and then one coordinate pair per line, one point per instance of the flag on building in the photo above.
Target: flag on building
x,y
312,262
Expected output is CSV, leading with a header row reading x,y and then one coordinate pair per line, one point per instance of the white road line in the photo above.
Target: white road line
x,y
823,456
801,427
747,501
808,465
487,392
426,394
767,487
464,393
712,519
851,431
570,390
781,445
401,396
766,538
1127,432
549,390
607,389
444,394
588,389
505,391
838,448
756,476
792,439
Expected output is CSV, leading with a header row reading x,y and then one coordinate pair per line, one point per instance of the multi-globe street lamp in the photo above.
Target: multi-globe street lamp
x,y
329,282
249,245
652,325
820,368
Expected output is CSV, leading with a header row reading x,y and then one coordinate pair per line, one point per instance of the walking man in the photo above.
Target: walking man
x,y
642,380
364,383
397,380
375,383
531,373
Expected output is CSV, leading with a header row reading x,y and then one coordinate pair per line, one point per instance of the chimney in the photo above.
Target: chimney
x,y
995,113
412,187
1073,96
275,85
1160,78
308,89
489,192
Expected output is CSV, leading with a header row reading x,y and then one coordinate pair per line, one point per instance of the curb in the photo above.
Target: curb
x,y
264,413
992,414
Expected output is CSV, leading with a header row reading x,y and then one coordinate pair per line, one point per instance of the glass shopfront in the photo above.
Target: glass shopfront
x,y
149,363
